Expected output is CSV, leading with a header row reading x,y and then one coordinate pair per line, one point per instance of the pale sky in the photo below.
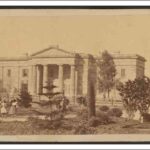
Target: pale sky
x,y
88,31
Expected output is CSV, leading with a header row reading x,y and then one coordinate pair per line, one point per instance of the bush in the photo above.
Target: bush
x,y
25,99
146,117
81,100
93,122
117,112
104,108
103,118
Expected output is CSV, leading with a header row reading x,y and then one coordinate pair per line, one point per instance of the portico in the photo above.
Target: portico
x,y
54,74
56,68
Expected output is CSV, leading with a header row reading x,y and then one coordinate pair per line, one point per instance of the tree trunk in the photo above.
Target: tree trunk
x,y
108,95
104,96
91,100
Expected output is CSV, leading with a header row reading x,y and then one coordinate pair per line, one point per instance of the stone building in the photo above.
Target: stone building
x,y
70,72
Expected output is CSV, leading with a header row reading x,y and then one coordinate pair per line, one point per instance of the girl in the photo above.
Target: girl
x,y
3,108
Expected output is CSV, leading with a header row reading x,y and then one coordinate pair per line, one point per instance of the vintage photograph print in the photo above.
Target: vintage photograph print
x,y
74,75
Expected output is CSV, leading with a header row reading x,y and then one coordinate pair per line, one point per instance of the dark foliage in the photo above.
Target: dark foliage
x,y
55,106
81,100
146,117
25,99
135,95
117,112
104,108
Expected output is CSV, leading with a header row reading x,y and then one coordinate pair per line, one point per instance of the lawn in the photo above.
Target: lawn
x,y
71,126
68,126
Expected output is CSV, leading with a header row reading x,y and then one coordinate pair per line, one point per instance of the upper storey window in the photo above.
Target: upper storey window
x,y
25,72
123,73
9,72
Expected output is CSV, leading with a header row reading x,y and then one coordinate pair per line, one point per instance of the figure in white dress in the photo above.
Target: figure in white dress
x,y
13,108
3,108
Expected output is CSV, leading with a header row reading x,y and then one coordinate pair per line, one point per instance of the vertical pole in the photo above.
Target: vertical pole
x,y
61,78
73,82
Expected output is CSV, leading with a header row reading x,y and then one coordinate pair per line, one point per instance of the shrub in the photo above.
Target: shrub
x,y
81,100
25,99
104,108
117,112
135,95
93,122
103,118
146,117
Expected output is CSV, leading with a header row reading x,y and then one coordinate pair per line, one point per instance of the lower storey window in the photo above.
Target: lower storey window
x,y
24,87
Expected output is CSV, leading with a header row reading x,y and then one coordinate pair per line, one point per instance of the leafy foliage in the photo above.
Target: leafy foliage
x,y
104,108
55,106
24,99
107,73
146,117
81,100
135,95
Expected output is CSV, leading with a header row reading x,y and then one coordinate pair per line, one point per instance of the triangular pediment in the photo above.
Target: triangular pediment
x,y
53,52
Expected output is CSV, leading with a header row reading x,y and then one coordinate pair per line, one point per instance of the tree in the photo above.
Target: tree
x,y
54,106
91,100
135,96
24,99
107,73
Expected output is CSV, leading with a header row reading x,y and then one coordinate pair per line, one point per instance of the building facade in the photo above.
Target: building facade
x,y
72,73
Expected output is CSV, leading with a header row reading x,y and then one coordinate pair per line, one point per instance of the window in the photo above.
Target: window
x,y
25,72
8,72
122,72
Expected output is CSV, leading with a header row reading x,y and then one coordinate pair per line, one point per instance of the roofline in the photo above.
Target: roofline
x,y
126,56
15,58
73,54
76,54
51,47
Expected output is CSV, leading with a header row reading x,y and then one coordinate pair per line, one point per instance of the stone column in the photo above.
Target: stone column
x,y
45,77
72,86
61,78
38,79
30,81
34,77
2,78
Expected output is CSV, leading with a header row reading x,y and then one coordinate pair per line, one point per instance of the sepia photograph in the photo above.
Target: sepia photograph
x,y
74,75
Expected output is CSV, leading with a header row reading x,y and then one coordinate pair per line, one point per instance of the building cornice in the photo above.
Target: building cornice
x,y
125,56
